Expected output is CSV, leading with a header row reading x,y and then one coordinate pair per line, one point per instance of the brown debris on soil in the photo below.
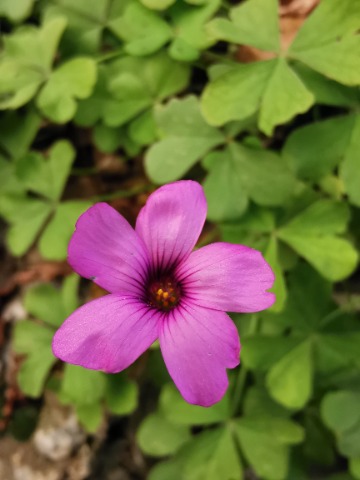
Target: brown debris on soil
x,y
58,448
39,271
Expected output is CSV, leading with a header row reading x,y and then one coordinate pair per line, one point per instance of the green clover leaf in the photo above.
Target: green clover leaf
x,y
51,306
273,87
26,62
72,80
27,215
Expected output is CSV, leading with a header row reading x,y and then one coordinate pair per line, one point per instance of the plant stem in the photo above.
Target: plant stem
x,y
240,381
84,171
110,55
123,193
214,57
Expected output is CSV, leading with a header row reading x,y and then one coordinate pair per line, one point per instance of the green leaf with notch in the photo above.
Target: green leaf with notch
x,y
237,93
226,197
290,380
143,31
51,306
158,437
47,176
244,172
325,90
27,215
257,22
178,411
269,86
81,386
17,131
56,236
186,138
130,87
45,303
188,22
26,62
74,80
265,443
312,235
213,455
87,21
90,416
309,151
121,394
284,97
208,456
16,11
33,340
350,168
340,412
328,42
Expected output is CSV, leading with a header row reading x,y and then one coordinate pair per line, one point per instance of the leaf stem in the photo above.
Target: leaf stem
x,y
242,374
110,55
212,57
85,171
130,192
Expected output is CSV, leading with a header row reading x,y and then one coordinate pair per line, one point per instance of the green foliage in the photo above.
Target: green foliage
x,y
273,84
90,391
26,62
33,339
159,437
238,173
27,215
312,234
275,143
178,411
316,341
86,390
340,411
264,439
187,138
16,11
75,79
265,442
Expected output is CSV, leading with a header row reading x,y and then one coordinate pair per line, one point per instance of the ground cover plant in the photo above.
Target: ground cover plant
x,y
256,100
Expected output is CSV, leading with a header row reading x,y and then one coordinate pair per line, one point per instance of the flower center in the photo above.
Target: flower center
x,y
164,294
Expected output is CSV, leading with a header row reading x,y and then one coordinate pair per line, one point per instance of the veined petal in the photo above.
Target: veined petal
x,y
233,278
106,249
198,344
171,221
107,334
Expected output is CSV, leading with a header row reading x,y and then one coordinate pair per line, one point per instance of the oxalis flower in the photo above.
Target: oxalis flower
x,y
161,289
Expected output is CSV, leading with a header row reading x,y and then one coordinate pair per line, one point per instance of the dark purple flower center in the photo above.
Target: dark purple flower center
x,y
164,294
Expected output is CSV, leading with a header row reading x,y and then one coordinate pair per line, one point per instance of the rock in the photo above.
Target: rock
x,y
58,434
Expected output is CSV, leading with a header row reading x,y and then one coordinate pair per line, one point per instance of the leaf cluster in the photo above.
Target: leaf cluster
x,y
275,143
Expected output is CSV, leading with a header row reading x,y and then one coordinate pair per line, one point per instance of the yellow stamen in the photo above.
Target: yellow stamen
x,y
165,294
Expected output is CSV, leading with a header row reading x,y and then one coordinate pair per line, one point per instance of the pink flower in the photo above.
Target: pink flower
x,y
160,289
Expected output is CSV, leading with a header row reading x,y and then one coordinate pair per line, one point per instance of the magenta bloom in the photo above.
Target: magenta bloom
x,y
160,289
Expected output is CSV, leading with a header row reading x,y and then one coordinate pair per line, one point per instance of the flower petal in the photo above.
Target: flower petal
x,y
171,222
198,344
107,334
233,278
106,249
